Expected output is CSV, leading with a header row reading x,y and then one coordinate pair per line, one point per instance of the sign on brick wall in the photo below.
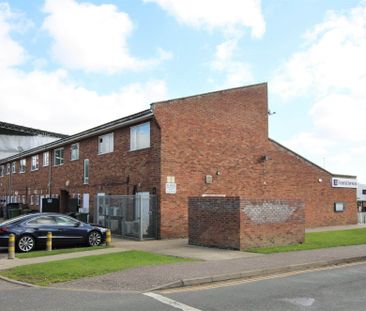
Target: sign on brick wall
x,y
338,182
171,188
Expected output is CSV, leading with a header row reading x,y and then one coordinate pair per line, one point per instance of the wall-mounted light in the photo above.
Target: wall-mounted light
x,y
218,173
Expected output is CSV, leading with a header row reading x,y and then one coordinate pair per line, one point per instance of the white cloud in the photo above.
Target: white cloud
x,y
236,72
331,60
304,142
224,14
341,116
47,100
330,71
92,37
11,53
52,100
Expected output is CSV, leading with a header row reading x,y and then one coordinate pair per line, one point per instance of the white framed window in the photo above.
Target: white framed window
x,y
2,169
35,163
140,136
105,143
86,171
8,169
31,199
74,152
58,156
46,158
14,167
22,165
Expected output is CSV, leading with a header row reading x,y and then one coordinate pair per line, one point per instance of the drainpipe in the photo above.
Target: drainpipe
x,y
49,176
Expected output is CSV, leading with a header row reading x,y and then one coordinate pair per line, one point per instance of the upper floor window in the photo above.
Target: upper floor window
x,y
363,191
58,156
86,171
22,165
8,169
2,168
13,167
35,163
46,158
74,152
140,136
105,143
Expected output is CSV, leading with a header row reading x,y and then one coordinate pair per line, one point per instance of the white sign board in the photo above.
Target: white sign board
x,y
171,188
338,182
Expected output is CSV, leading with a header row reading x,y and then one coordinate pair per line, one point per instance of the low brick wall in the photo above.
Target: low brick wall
x,y
237,223
271,223
214,222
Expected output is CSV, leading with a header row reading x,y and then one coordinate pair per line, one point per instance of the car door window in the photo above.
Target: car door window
x,y
43,220
65,221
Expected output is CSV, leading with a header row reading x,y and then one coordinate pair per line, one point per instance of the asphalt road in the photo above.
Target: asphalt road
x,y
335,289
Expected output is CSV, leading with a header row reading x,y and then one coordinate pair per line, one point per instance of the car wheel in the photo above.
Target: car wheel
x,y
94,238
26,243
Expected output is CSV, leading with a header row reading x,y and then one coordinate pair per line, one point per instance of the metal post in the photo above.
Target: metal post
x,y
49,241
11,247
140,211
108,239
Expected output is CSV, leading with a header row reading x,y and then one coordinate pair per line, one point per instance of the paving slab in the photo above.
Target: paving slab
x,y
181,248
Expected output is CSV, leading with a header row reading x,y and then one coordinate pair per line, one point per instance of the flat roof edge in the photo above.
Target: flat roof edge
x,y
135,118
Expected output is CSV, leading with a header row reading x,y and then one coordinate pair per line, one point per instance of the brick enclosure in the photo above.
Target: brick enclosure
x,y
222,135
238,223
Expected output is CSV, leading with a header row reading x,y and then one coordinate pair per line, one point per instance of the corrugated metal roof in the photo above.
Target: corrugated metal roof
x,y
14,129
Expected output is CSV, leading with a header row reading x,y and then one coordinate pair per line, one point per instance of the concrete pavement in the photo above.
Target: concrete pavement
x,y
174,247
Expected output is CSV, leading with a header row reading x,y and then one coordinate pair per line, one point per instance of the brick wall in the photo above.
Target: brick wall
x,y
224,134
118,172
200,135
237,223
271,223
214,222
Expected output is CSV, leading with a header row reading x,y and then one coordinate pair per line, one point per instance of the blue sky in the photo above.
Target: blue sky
x,y
68,65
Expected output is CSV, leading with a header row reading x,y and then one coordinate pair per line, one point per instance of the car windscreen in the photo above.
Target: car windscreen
x,y
14,220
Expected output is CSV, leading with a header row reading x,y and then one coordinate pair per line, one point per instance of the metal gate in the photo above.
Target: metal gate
x,y
131,216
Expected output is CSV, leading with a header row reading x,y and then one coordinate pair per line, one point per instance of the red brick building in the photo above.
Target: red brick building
x,y
210,144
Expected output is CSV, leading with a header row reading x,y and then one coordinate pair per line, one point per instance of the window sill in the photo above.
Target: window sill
x,y
142,149
105,153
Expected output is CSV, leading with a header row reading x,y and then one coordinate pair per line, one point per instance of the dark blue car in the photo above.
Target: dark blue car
x,y
31,231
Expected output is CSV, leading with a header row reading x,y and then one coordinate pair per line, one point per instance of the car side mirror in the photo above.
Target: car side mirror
x,y
77,224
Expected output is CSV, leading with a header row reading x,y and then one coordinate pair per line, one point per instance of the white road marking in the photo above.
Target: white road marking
x,y
171,302
300,301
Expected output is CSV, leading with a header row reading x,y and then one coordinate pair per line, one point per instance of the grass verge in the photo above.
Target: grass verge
x,y
58,251
71,269
317,240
